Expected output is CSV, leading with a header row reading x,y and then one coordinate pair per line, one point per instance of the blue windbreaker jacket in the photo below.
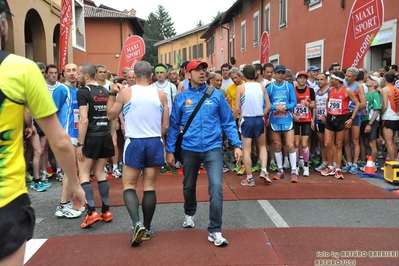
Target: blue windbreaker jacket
x,y
206,130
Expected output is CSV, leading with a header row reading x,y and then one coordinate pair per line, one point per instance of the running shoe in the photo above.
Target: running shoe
x,y
256,167
353,169
248,182
237,168
28,177
338,174
294,177
241,171
116,173
301,163
279,175
265,177
65,211
297,170
217,239
328,171
225,169
164,170
148,234
273,166
321,167
59,176
305,171
38,186
346,168
380,155
45,182
91,219
138,232
188,221
286,165
106,216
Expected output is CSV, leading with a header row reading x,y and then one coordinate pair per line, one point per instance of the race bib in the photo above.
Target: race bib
x,y
365,110
301,111
320,113
335,106
278,114
75,118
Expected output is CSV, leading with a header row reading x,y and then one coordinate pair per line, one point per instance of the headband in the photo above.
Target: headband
x,y
336,77
160,69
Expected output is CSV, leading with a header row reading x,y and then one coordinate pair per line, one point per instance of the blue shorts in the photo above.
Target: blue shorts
x,y
282,127
144,152
252,127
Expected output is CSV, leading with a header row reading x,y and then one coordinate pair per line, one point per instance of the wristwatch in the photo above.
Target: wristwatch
x,y
239,147
112,94
79,145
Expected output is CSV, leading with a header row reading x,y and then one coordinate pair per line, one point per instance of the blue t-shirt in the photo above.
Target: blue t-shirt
x,y
281,94
66,102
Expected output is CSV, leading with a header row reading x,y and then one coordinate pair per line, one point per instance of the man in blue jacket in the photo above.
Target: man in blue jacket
x,y
202,143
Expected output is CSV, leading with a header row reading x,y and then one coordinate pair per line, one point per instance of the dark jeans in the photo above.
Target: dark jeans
x,y
213,162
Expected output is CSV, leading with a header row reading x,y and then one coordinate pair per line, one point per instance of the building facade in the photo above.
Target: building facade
x,y
34,30
105,31
182,47
302,33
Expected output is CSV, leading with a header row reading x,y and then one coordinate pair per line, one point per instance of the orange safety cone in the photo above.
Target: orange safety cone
x,y
369,168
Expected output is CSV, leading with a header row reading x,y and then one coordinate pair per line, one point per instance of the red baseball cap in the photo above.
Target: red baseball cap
x,y
194,64
302,72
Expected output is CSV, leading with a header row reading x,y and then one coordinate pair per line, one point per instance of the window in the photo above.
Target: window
x,y
189,53
160,58
222,55
315,54
232,48
169,57
210,46
200,50
243,35
221,31
184,54
195,52
283,13
267,18
174,57
256,28
165,58
232,26
312,2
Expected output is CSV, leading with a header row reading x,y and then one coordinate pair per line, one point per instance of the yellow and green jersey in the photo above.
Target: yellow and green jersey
x,y
21,84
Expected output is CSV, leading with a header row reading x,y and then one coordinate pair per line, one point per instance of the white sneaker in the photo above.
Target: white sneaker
x,y
178,165
59,176
297,171
188,221
305,171
286,165
64,211
70,206
116,173
321,167
217,239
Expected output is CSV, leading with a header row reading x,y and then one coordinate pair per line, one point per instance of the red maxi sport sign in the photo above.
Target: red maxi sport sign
x,y
264,48
365,20
132,52
65,26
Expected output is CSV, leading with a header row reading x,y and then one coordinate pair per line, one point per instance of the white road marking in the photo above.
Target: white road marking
x,y
32,246
273,214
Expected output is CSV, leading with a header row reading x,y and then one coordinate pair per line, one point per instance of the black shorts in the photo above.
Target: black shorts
x,y
302,129
96,147
16,225
119,133
373,135
320,127
336,123
391,124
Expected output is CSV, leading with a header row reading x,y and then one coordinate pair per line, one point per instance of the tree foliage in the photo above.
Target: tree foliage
x,y
218,15
199,23
158,27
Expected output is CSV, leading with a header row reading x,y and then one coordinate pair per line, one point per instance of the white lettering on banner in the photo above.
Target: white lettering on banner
x,y
363,49
365,19
132,51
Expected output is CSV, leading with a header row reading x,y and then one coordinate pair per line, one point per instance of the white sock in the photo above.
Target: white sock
x,y
293,160
279,159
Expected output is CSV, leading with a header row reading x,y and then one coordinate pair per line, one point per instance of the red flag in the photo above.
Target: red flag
x,y
132,52
365,20
65,26
264,48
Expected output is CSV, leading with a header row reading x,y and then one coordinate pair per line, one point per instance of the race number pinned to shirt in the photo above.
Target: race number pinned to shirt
x,y
335,106
76,118
278,113
301,111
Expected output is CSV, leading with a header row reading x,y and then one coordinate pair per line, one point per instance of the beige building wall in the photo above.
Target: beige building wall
x,y
45,16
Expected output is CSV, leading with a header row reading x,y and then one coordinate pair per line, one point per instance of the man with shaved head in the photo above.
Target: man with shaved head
x,y
131,78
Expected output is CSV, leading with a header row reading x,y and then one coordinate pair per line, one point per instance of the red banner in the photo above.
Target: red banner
x,y
65,26
132,52
264,48
365,20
